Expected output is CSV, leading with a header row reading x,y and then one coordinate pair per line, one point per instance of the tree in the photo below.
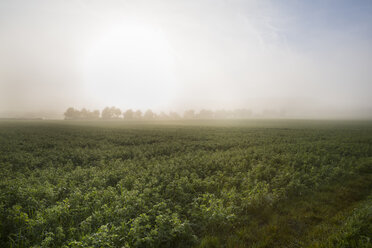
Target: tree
x,y
137,115
111,113
128,115
149,115
71,114
116,112
84,114
106,113
95,114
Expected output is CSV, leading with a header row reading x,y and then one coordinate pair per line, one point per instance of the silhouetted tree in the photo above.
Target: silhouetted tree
x,y
116,113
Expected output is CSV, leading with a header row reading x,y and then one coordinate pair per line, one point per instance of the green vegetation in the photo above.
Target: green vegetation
x,y
256,183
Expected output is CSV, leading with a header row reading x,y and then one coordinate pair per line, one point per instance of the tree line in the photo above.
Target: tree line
x,y
111,113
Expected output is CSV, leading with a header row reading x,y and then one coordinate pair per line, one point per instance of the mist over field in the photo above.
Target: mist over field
x,y
303,59
186,123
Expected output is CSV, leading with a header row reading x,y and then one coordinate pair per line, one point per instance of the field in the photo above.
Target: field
x,y
252,183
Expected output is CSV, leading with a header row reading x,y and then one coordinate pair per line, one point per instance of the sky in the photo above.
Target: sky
x,y
303,58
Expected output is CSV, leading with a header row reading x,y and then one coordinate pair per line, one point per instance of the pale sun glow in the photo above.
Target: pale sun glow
x,y
131,65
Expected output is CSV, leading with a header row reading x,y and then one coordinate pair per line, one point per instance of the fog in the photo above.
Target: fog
x,y
304,58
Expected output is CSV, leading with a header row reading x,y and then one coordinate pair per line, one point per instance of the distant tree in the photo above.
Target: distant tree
x,y
72,114
149,115
95,114
116,112
128,115
106,113
189,114
111,113
84,114
137,115
69,113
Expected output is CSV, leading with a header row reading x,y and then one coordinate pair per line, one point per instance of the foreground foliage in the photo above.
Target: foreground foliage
x,y
114,184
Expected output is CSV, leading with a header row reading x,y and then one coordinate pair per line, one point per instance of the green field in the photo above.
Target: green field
x,y
252,183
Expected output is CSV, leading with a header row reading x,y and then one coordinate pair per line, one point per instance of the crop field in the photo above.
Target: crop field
x,y
251,183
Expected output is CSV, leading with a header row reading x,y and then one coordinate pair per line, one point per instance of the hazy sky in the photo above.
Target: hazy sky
x,y
310,58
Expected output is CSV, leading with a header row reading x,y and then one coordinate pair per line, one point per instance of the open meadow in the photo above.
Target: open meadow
x,y
228,183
